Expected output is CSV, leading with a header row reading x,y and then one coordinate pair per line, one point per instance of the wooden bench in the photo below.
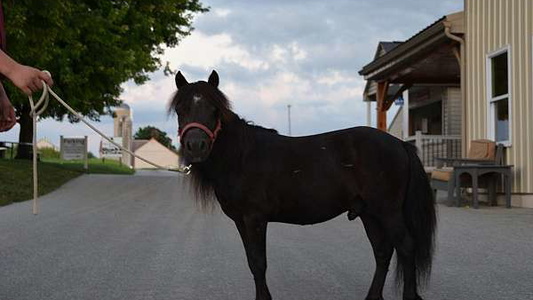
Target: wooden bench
x,y
481,152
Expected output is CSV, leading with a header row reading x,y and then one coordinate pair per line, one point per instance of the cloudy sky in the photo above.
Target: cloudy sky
x,y
269,54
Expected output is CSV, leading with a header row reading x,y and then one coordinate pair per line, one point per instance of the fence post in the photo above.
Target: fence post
x,y
86,154
61,147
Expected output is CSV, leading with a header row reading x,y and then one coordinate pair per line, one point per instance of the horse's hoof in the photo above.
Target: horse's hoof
x,y
263,297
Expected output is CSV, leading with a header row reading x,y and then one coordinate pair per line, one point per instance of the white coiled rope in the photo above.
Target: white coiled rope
x,y
38,108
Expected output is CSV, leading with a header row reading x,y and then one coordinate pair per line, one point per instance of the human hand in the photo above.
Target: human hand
x,y
7,113
28,79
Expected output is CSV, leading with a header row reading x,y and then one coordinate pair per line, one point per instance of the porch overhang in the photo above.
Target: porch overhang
x,y
429,57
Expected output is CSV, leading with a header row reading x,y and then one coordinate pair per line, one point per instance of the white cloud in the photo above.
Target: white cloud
x,y
279,54
153,94
209,51
291,52
298,53
333,77
222,12
311,100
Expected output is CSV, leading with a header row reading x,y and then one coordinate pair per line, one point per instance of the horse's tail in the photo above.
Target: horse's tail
x,y
420,216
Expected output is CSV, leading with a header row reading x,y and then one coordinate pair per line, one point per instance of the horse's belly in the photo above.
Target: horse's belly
x,y
307,213
311,201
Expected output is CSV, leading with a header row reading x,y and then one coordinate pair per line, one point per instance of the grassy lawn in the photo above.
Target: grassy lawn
x,y
16,183
96,166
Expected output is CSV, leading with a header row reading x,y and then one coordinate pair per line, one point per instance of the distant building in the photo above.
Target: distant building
x,y
45,143
155,152
123,119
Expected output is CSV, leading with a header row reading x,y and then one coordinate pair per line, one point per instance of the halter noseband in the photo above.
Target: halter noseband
x,y
211,134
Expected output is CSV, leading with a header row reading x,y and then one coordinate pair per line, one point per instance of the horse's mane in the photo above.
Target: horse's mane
x,y
254,127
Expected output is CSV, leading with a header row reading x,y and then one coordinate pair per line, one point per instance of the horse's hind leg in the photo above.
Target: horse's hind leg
x,y
382,253
253,235
404,244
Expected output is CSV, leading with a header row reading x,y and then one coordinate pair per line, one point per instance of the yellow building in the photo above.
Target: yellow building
x,y
482,59
499,82
122,129
155,152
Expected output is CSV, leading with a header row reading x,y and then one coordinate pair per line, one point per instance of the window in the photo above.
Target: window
x,y
427,119
499,97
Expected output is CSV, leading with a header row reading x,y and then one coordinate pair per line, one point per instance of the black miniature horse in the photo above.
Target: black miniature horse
x,y
259,176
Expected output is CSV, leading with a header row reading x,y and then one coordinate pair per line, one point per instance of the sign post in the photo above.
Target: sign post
x,y
75,149
86,154
108,150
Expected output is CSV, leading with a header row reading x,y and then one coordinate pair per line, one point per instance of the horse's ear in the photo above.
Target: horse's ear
x,y
180,80
213,79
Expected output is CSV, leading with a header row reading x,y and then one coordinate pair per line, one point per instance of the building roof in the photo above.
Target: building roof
x,y
136,144
152,150
408,61
388,46
436,26
370,86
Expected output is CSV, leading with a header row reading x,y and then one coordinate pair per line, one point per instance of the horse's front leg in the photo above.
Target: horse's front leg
x,y
253,234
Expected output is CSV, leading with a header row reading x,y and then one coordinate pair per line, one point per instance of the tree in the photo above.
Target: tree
x,y
91,47
148,132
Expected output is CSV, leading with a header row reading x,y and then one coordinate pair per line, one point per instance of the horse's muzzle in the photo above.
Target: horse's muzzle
x,y
196,146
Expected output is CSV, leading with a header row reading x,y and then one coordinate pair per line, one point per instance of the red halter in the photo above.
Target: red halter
x,y
211,134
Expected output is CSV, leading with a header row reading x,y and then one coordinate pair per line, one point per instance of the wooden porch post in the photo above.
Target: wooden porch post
x,y
381,105
382,120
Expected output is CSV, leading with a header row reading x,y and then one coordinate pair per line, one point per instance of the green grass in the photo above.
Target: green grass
x,y
96,166
49,153
16,181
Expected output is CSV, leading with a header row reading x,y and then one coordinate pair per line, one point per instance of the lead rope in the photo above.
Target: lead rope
x,y
38,108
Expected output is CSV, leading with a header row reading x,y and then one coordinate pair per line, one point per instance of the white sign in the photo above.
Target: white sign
x,y
107,149
73,148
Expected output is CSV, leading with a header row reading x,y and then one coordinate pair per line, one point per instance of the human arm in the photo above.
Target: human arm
x,y
26,78
7,113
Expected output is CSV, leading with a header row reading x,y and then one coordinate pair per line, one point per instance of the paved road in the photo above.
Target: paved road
x,y
141,237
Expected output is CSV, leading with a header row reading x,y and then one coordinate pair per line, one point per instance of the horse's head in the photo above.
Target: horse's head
x,y
200,107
